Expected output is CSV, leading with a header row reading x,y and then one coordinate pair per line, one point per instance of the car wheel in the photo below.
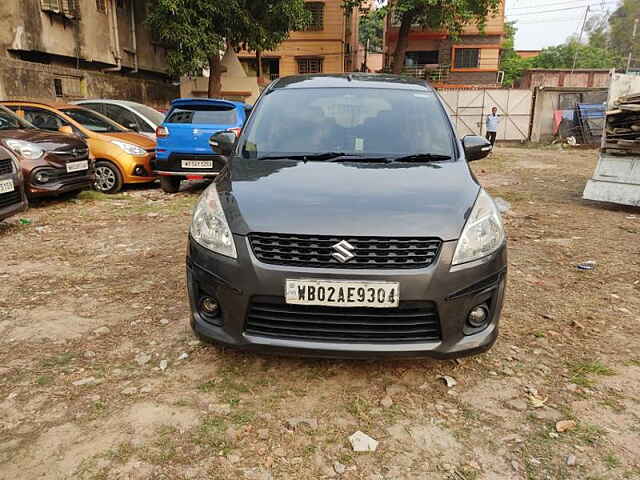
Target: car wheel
x,y
170,184
108,177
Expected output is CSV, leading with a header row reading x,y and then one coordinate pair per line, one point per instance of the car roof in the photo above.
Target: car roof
x,y
124,103
212,101
54,106
351,80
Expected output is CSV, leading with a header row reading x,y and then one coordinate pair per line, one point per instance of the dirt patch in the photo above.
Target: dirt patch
x,y
93,304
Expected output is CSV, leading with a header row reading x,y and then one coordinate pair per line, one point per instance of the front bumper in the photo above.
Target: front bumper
x,y
12,202
61,183
236,282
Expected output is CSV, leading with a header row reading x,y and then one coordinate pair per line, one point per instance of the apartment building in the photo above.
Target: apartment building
x,y
62,50
471,59
329,45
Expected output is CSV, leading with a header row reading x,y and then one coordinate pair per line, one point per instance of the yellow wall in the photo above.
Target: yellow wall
x,y
328,43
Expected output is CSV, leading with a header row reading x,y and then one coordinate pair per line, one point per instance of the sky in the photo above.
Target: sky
x,y
544,23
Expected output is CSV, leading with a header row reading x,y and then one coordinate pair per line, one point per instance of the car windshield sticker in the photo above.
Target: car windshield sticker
x,y
359,146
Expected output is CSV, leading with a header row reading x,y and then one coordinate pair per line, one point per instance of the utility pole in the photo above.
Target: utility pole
x,y
366,56
633,38
584,23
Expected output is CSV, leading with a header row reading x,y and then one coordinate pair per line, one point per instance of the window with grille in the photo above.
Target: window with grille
x,y
317,15
66,7
101,6
50,5
309,65
467,58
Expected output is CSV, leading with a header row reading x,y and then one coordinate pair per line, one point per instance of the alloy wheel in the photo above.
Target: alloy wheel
x,y
105,179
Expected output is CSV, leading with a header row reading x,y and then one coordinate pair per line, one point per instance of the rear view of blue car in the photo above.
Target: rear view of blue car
x,y
183,139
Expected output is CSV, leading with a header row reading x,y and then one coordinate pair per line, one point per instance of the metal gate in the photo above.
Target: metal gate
x,y
468,109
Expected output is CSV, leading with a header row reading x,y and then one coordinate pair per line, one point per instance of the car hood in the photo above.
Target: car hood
x,y
348,199
47,140
133,137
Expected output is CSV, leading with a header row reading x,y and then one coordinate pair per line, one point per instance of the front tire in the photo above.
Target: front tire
x,y
170,184
108,178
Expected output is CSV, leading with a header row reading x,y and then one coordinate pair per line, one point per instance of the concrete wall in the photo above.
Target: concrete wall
x,y
20,80
30,33
565,78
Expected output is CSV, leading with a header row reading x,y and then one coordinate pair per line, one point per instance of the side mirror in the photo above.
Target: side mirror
x,y
475,147
66,129
131,126
221,143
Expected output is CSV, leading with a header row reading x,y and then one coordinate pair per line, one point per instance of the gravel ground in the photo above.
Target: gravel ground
x,y
101,378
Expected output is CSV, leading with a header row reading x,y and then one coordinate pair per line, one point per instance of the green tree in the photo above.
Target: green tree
x,y
196,32
511,63
372,29
620,30
449,15
586,56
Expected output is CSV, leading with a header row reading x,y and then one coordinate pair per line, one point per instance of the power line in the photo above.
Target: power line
x,y
559,4
554,10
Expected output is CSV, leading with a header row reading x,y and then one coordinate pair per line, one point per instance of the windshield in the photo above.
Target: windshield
x,y
92,120
151,113
362,122
204,114
10,121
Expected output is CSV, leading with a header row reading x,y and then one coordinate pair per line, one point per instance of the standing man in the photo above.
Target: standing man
x,y
493,121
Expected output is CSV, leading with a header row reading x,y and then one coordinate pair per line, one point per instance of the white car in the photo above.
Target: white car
x,y
132,115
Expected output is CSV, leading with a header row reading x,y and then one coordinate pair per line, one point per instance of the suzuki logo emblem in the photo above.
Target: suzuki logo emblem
x,y
343,251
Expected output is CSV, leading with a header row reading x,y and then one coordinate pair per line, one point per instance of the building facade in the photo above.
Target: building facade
x,y
63,50
329,45
471,59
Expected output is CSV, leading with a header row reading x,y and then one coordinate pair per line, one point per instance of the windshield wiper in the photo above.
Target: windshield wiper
x,y
423,157
328,157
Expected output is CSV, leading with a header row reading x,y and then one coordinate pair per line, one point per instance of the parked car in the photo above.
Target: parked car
x,y
12,196
51,162
183,138
122,156
348,224
132,115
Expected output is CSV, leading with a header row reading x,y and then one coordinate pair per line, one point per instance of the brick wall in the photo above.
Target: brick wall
x,y
35,81
473,78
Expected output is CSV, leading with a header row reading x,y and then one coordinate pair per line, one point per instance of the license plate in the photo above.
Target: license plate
x,y
77,166
334,293
197,163
6,186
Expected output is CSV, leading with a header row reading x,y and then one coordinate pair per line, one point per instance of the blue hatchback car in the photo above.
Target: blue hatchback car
x,y
183,138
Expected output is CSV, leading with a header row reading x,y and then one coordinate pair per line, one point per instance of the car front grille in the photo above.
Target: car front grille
x,y
10,198
6,166
59,175
370,252
411,322
78,153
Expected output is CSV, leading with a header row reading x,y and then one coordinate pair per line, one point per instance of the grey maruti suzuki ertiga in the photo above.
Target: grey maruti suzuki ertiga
x,y
347,223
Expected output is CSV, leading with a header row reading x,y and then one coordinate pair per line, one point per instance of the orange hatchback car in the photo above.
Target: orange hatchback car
x,y
122,156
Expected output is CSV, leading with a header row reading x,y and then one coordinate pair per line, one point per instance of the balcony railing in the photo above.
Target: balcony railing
x,y
436,74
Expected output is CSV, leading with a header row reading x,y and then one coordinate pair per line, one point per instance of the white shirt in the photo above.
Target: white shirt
x,y
492,122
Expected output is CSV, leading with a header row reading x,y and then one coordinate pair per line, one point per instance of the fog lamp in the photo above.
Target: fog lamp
x,y
209,306
42,177
478,317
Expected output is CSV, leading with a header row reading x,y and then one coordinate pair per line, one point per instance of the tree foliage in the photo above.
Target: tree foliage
x,y
586,56
195,32
511,63
620,31
449,15
372,29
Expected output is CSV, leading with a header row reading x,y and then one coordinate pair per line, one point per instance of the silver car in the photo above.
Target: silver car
x,y
132,115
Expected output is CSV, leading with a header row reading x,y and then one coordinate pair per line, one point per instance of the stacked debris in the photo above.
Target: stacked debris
x,y
623,127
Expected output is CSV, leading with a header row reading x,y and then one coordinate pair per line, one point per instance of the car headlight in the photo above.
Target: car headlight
x,y
209,226
483,234
27,150
130,148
